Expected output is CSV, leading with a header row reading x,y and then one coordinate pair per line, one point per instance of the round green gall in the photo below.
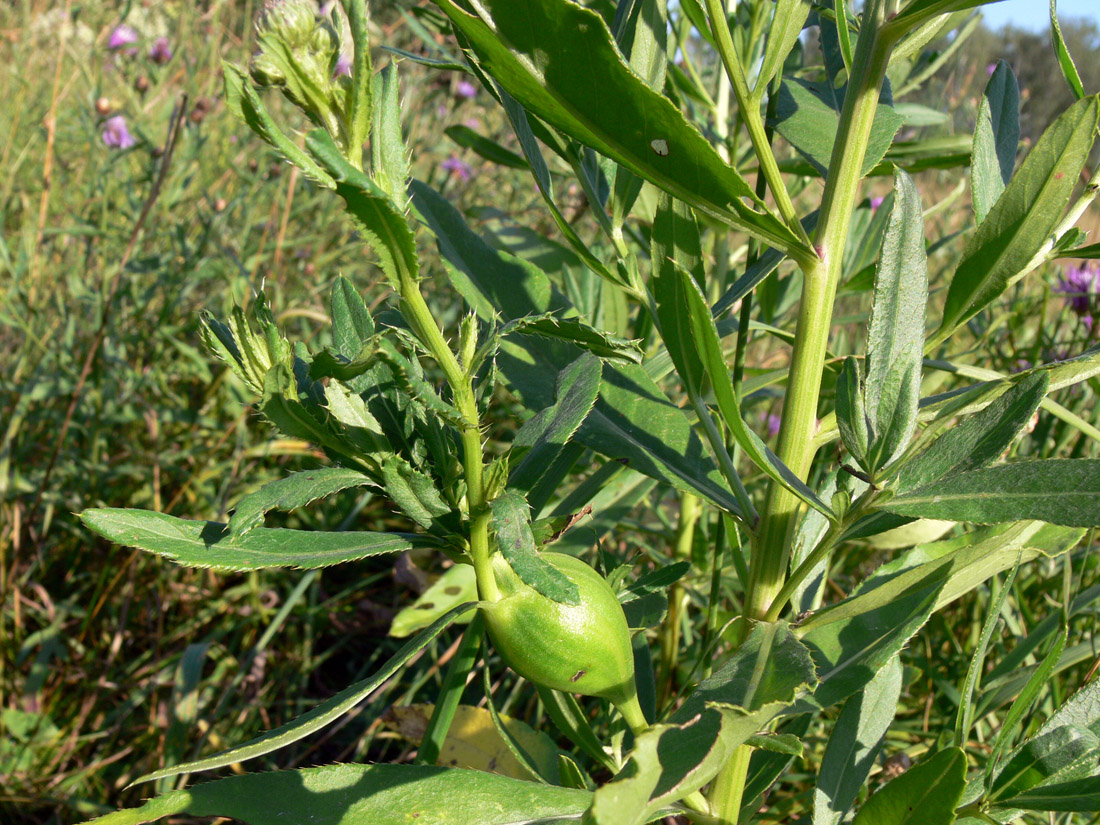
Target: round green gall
x,y
583,648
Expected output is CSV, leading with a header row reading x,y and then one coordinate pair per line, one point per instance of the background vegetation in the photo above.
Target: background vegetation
x,y
107,397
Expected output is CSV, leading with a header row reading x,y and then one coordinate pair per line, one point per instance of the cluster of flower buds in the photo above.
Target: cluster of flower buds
x,y
299,52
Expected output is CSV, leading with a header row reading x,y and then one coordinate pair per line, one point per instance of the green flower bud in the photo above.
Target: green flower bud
x,y
291,21
582,648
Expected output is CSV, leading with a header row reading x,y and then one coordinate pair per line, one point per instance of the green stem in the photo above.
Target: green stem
x,y
423,323
750,114
796,443
690,509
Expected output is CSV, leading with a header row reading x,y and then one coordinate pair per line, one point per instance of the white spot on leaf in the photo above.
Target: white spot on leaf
x,y
660,146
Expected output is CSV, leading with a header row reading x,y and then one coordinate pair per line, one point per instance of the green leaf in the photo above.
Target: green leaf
x,y
671,761
360,101
1064,748
413,491
321,715
547,432
209,544
675,245
1023,218
290,493
366,795
1059,491
771,667
389,161
551,55
457,585
492,151
1037,682
851,413
996,138
708,346
808,116
895,339
980,439
352,325
855,743
851,641
969,560
376,214
786,26
583,336
926,794
512,522
242,100
1077,795
633,420
1061,51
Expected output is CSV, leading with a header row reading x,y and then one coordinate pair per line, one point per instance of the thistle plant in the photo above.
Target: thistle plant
x,y
682,712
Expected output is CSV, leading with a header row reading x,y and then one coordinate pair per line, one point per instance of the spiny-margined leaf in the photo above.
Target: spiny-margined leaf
x,y
209,543
413,490
1059,491
926,794
512,523
548,431
996,138
360,102
243,101
377,216
321,715
551,55
389,160
366,795
895,339
1023,217
291,492
352,325
583,336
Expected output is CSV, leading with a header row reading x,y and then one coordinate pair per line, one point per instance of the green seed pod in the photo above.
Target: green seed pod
x,y
582,648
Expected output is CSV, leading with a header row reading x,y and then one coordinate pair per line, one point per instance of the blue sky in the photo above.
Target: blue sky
x,y
1033,14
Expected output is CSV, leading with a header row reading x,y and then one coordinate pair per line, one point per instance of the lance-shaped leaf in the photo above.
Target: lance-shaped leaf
x,y
632,421
855,743
512,522
210,544
852,640
1061,51
1059,491
787,23
359,101
547,432
980,439
926,794
290,493
708,346
245,103
577,332
895,339
560,61
851,413
323,714
352,326
675,245
1075,795
375,214
413,491
1023,218
366,795
996,138
759,682
389,162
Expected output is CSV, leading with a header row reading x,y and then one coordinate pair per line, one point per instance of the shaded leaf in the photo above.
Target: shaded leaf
x,y
512,522
926,794
996,137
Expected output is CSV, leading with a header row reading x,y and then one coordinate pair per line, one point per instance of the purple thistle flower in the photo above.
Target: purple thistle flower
x,y
773,423
466,89
161,52
472,123
343,65
990,69
122,35
876,202
115,133
1081,285
457,167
